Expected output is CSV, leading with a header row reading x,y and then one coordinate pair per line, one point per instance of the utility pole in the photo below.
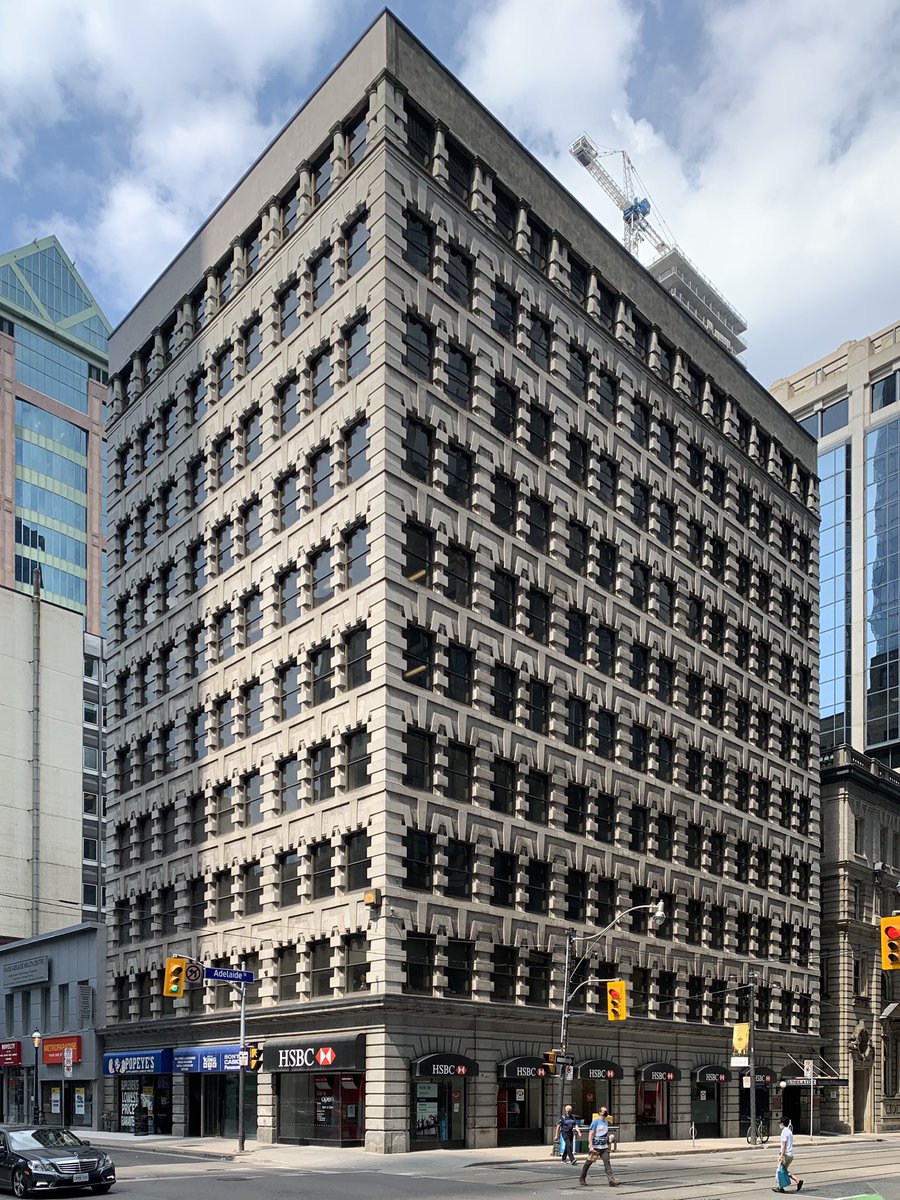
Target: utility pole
x,y
751,1056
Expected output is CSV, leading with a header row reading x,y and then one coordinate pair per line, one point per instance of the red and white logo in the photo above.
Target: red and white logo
x,y
325,1057
461,1070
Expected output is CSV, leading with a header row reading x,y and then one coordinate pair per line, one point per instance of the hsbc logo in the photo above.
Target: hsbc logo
x,y
306,1057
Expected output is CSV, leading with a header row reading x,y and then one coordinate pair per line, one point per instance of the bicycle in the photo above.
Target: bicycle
x,y
762,1132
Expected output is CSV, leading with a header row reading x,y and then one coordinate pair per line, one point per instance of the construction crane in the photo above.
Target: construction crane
x,y
635,209
672,268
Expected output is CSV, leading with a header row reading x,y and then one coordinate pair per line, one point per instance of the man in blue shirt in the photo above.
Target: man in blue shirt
x,y
598,1147
568,1127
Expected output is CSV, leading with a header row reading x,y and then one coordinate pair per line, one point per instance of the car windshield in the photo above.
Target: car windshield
x,y
42,1139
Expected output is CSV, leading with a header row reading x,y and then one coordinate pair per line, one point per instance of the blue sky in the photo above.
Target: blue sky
x,y
766,132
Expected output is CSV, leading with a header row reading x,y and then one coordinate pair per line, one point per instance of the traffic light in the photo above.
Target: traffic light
x,y
890,943
254,1057
173,985
616,1000
550,1061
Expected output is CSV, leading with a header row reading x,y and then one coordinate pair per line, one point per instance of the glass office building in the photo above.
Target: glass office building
x,y
53,375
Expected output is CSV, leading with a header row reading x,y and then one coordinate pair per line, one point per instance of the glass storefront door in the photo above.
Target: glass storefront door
x,y
520,1112
438,1114
705,1109
321,1107
651,1111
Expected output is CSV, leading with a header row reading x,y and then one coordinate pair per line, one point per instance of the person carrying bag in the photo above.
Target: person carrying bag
x,y
598,1147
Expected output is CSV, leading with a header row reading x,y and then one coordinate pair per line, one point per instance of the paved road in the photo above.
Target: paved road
x,y
836,1172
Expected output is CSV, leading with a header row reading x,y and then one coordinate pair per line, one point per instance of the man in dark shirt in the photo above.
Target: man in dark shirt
x,y
568,1127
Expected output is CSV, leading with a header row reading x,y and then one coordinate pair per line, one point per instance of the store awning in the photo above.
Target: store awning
x,y
599,1068
765,1077
712,1073
524,1067
658,1072
447,1066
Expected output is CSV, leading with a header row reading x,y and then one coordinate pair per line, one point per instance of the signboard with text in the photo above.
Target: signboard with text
x,y
53,1049
10,1054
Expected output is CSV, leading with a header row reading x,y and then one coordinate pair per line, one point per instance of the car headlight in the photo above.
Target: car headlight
x,y
104,1161
40,1164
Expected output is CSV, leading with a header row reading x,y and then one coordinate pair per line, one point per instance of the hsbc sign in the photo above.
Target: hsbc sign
x,y
341,1054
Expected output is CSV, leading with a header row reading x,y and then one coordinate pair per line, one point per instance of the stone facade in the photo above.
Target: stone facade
x,y
468,595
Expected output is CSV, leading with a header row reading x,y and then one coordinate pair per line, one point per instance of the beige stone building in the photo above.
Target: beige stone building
x,y
462,591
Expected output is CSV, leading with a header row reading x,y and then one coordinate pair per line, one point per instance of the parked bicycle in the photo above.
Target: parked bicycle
x,y
762,1132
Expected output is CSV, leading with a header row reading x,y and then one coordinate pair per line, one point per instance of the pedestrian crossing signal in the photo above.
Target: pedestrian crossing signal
x,y
616,1000
254,1057
890,943
173,984
550,1061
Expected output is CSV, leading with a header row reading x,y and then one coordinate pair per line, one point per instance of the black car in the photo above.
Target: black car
x,y
39,1158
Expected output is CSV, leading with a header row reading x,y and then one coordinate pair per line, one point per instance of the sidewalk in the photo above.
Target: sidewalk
x,y
316,1157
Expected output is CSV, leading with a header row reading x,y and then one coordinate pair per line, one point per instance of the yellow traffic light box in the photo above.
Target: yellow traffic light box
x,y
550,1061
890,943
616,1000
173,984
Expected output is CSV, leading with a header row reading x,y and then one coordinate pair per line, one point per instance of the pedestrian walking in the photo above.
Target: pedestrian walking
x,y
785,1158
598,1147
569,1129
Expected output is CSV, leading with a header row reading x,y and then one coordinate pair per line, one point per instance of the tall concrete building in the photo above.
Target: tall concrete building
x,y
52,519
847,400
462,591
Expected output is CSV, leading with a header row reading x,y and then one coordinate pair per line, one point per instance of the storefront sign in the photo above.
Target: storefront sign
x,y
599,1068
53,1049
764,1077
658,1073
206,1058
10,1054
712,1074
79,1102
522,1068
26,972
138,1062
435,1066
335,1054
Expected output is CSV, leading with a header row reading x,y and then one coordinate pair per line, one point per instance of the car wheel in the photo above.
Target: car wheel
x,y
19,1182
100,1189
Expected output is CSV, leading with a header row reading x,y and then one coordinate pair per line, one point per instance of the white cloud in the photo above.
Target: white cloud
x,y
172,92
780,168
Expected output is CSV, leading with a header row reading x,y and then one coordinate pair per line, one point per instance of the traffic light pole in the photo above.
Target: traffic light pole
x,y
659,917
753,979
242,1070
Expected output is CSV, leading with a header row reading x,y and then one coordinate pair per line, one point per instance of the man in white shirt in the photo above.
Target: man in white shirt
x,y
786,1156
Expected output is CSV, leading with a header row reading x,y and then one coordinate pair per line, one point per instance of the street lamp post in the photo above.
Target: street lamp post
x,y
659,917
753,980
38,1111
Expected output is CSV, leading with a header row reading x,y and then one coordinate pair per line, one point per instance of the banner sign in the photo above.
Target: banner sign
x,y
53,1049
206,1058
138,1062
10,1054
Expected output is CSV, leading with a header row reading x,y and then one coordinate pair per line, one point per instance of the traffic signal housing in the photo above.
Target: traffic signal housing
x,y
173,984
890,943
254,1057
616,1000
550,1061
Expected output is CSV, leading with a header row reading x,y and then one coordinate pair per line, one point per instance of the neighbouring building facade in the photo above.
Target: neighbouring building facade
x,y
52,520
847,400
53,986
462,590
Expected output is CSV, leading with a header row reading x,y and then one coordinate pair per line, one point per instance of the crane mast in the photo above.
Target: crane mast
x,y
672,268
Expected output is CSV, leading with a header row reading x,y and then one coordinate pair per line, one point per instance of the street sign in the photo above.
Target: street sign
x,y
227,975
809,1068
565,1060
244,1058
68,1057
193,972
570,1072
